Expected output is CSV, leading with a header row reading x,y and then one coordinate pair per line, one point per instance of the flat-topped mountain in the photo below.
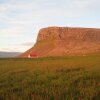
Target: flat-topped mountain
x,y
62,41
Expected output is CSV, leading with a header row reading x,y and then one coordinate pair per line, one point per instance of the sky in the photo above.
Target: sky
x,y
21,20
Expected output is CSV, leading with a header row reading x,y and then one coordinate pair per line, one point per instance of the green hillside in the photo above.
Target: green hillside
x,y
52,78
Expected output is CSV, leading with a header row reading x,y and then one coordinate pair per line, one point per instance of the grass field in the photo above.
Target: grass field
x,y
59,78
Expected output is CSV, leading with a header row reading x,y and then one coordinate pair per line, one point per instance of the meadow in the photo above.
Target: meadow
x,y
51,78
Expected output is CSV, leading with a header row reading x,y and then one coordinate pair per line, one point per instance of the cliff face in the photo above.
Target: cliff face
x,y
69,34
61,41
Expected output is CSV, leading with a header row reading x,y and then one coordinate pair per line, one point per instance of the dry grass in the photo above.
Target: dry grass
x,y
59,78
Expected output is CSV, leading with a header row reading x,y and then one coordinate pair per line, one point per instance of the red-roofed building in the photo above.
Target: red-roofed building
x,y
32,55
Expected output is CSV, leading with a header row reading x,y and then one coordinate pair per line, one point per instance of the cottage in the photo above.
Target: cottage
x,y
32,55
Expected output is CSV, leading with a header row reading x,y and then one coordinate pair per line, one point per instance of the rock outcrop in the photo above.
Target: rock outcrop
x,y
62,41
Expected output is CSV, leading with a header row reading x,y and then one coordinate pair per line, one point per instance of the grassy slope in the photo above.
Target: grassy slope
x,y
42,47
59,78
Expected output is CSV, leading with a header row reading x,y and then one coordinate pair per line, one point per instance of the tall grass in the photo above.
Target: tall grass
x,y
59,78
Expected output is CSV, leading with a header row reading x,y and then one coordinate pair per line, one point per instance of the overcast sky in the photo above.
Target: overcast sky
x,y
20,20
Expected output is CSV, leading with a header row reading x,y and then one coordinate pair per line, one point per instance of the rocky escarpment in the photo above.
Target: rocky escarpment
x,y
62,41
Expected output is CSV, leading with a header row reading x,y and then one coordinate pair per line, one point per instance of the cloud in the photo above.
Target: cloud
x,y
17,48
13,49
17,17
22,19
27,44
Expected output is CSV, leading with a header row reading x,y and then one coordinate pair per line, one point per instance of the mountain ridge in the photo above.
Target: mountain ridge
x,y
4,54
63,41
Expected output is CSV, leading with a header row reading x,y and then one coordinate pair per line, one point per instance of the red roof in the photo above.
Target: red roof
x,y
33,55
